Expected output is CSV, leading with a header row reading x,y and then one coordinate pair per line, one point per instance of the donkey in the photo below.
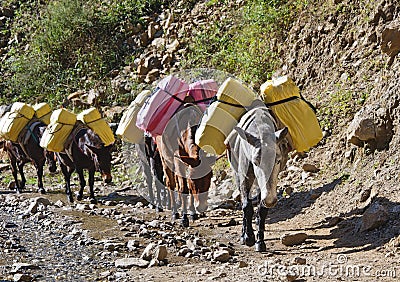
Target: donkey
x,y
84,150
150,161
186,168
256,151
27,149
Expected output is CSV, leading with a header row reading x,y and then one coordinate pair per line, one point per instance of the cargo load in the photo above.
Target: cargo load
x,y
61,125
161,105
222,115
127,129
283,97
42,112
202,92
92,118
16,119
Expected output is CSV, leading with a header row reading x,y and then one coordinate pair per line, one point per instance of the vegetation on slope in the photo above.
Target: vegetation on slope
x,y
67,45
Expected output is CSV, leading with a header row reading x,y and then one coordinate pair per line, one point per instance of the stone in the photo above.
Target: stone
x,y
242,264
21,266
132,245
293,238
371,125
299,260
310,168
390,44
172,47
76,95
375,216
142,70
92,97
33,207
148,252
221,255
131,262
160,253
151,30
22,277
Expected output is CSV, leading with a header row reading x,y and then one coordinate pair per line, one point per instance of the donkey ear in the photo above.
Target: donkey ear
x,y
252,140
281,134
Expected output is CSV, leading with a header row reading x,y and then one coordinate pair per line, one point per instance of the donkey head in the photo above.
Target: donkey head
x,y
102,160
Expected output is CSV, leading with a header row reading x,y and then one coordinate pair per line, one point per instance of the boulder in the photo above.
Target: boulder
x,y
131,262
294,239
371,125
375,216
390,44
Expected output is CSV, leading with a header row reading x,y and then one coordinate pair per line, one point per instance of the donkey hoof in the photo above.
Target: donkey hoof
x,y
260,247
175,216
41,191
70,199
185,221
194,217
247,240
159,209
79,197
93,201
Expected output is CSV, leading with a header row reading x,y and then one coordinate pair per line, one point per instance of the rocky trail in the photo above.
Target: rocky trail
x,y
44,238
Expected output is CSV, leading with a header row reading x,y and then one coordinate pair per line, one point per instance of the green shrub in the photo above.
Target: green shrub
x,y
240,43
72,45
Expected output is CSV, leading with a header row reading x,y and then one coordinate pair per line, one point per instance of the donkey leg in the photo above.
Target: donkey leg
x,y
247,230
193,215
21,172
159,206
67,178
82,184
174,210
185,219
14,171
262,214
91,187
39,173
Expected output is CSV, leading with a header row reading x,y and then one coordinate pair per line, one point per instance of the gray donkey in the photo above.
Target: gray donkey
x,y
257,151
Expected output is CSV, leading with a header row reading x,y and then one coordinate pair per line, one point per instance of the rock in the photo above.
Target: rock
x,y
153,75
82,207
294,239
92,97
76,95
151,30
299,260
148,252
390,44
221,255
161,253
371,125
203,271
22,277
375,216
171,48
158,43
33,207
132,245
183,252
131,262
59,204
365,195
21,266
310,168
242,264
142,70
